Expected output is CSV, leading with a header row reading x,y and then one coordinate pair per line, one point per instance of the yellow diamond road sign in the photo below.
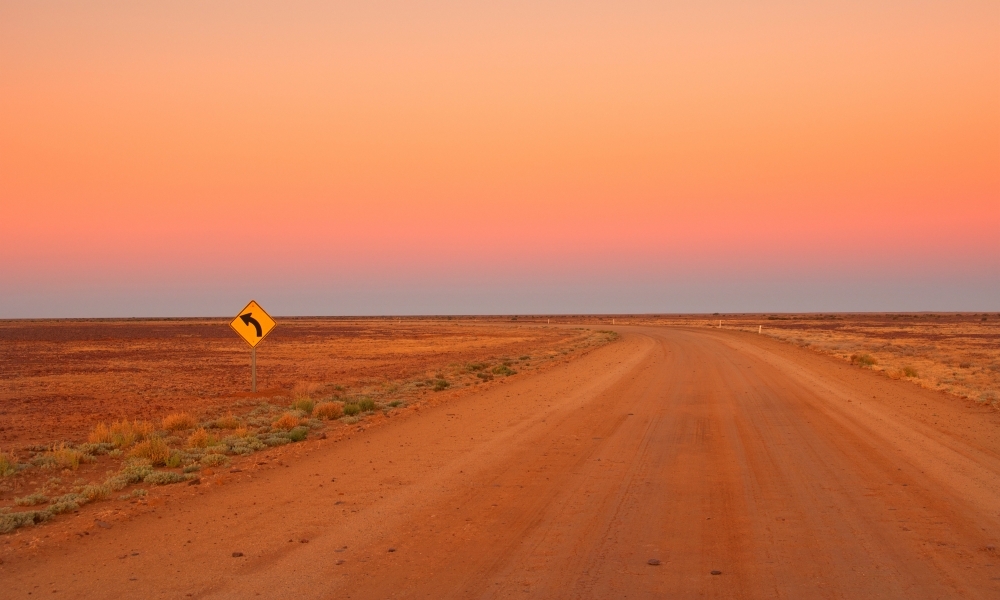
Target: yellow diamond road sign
x,y
252,324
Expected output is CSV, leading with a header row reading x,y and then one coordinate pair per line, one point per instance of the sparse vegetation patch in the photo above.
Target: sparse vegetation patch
x,y
287,421
8,465
305,405
154,449
864,360
328,410
173,448
179,422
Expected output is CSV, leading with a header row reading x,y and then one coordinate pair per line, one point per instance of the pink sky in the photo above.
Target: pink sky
x,y
174,158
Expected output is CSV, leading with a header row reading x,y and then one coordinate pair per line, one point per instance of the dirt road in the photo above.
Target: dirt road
x,y
786,473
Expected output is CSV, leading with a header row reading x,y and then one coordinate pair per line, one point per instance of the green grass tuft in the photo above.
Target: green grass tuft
x,y
306,405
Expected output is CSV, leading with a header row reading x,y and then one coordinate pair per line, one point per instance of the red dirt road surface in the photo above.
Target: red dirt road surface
x,y
748,468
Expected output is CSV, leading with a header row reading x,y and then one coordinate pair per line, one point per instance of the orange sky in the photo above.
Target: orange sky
x,y
548,150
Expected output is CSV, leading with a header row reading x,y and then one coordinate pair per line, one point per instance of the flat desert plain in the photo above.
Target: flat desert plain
x,y
639,457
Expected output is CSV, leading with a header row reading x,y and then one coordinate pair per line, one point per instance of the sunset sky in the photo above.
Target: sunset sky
x,y
181,158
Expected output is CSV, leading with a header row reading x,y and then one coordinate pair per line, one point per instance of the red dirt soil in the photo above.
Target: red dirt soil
x,y
747,467
59,378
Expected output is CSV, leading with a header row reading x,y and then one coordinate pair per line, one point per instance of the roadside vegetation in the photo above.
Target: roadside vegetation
x,y
136,454
954,353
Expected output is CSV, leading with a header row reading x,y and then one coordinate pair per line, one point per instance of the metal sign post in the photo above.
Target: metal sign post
x,y
253,324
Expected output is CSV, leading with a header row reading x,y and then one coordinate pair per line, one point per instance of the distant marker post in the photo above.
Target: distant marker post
x,y
253,324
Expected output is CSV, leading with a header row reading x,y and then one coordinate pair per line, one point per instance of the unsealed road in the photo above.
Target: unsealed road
x,y
790,474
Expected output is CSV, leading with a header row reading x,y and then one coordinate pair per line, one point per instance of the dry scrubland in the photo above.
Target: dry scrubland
x,y
955,353
99,410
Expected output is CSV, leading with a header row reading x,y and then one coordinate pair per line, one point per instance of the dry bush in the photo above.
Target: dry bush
x,y
121,434
287,422
93,493
178,422
201,439
214,460
242,432
910,372
328,410
154,449
8,466
101,434
227,422
64,457
864,360
32,500
304,404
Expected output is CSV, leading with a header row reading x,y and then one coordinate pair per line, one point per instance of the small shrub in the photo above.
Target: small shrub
x,y
131,473
351,409
864,360
441,384
11,521
524,357
242,432
484,376
910,372
201,439
227,422
179,422
298,434
366,404
8,466
504,370
164,477
32,500
214,460
476,366
64,457
395,403
66,503
120,434
136,493
287,421
174,460
328,410
101,434
93,493
306,405
965,365
154,449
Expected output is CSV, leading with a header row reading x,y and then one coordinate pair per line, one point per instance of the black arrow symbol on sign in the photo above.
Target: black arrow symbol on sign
x,y
248,318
